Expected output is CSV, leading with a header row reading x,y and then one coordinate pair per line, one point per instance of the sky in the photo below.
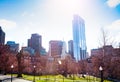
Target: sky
x,y
52,19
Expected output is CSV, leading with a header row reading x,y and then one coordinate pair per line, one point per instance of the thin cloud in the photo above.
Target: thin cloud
x,y
7,24
25,13
113,3
114,25
114,31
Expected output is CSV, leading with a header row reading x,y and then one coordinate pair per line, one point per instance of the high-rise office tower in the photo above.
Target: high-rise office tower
x,y
35,42
70,48
79,40
2,36
55,48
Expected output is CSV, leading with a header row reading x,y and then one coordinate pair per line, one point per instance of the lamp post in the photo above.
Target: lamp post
x,y
101,73
59,62
19,61
94,77
34,73
73,77
63,74
62,70
40,74
11,71
87,77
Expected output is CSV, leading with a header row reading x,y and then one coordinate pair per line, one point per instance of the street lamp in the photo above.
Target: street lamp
x,y
59,62
87,77
40,74
19,61
101,73
11,71
73,77
94,77
63,76
62,70
34,73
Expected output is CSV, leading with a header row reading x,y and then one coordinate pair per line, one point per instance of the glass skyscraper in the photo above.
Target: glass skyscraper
x,y
79,40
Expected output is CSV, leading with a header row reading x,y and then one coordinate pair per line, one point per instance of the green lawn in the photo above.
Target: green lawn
x,y
60,78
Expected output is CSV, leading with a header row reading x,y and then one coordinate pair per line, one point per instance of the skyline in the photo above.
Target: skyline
x,y
53,19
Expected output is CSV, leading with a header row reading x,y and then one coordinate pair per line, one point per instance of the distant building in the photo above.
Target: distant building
x,y
13,46
96,51
64,53
106,50
43,51
2,36
29,50
116,51
35,42
79,39
70,48
55,48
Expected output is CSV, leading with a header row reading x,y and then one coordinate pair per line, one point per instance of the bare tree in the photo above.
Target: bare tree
x,y
105,38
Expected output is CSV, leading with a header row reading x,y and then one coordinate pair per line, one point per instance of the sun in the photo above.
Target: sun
x,y
66,6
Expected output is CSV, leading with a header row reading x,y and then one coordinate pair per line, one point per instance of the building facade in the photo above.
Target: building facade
x,y
13,46
105,50
29,50
2,36
55,48
79,39
35,42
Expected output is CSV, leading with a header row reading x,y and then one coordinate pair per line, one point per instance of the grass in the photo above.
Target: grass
x,y
60,78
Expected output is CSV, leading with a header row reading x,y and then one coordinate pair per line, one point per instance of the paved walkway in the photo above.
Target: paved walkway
x,y
16,80
7,78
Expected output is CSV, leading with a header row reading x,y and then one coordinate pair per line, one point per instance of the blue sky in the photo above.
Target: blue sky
x,y
53,19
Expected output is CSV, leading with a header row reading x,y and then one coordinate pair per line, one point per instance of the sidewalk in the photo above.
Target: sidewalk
x,y
7,78
16,80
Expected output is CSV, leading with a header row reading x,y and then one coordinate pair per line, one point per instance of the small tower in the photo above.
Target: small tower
x,y
63,50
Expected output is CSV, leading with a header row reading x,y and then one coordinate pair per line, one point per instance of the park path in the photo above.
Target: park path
x,y
16,80
7,78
